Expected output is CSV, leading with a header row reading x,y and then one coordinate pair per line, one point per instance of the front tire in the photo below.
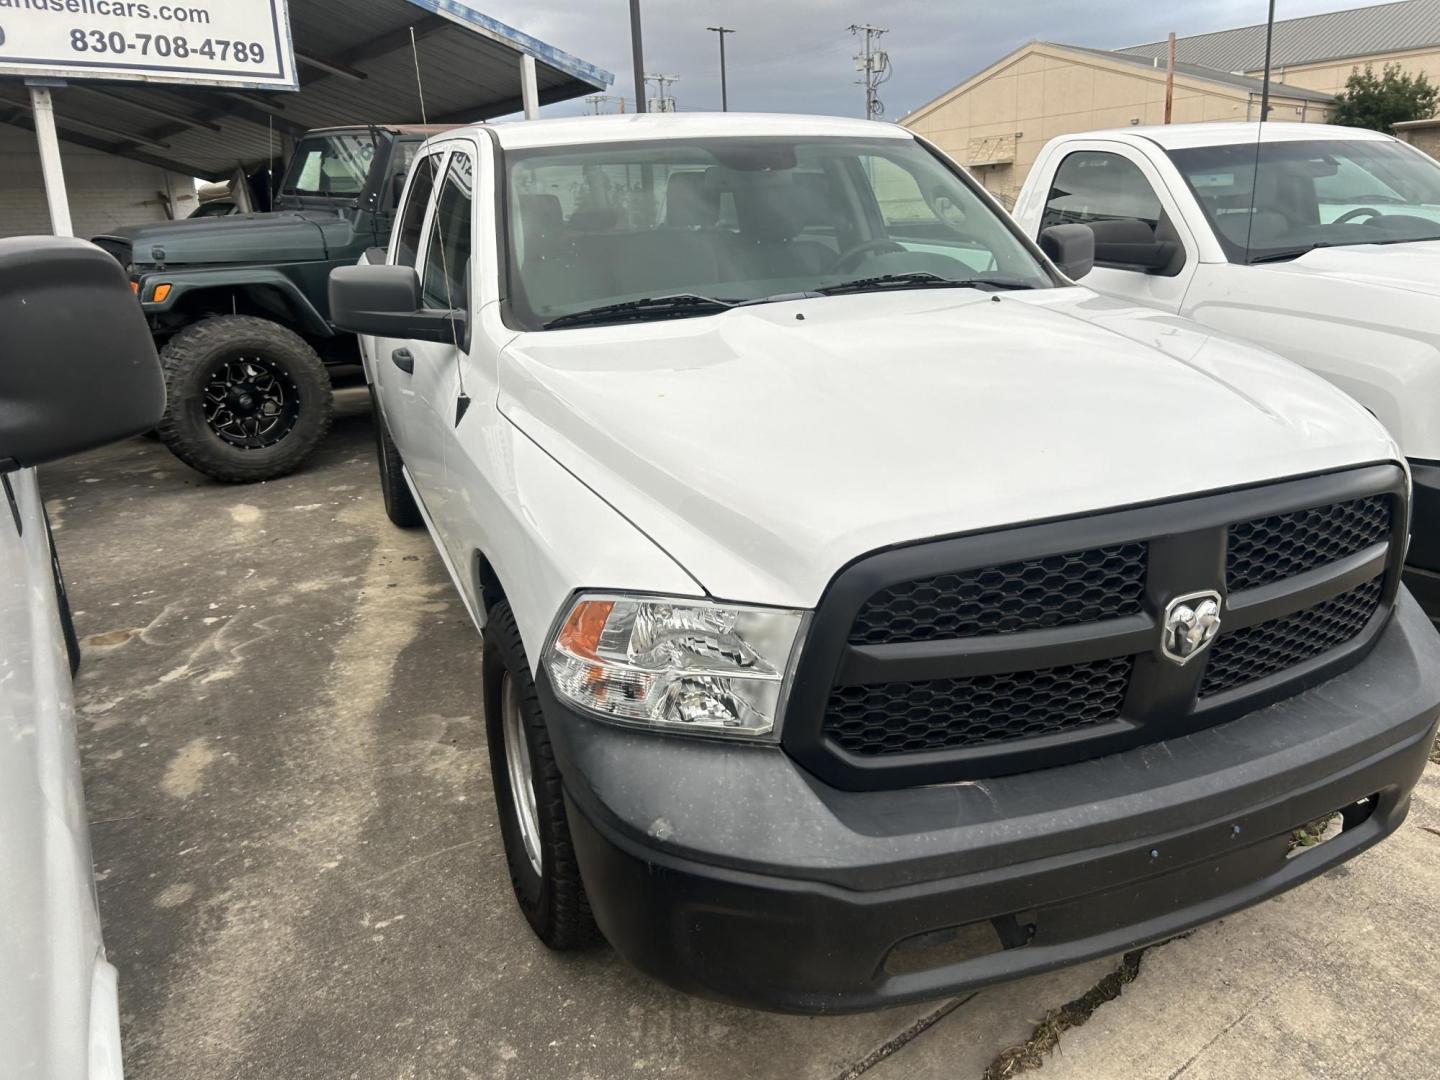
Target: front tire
x,y
246,399
528,795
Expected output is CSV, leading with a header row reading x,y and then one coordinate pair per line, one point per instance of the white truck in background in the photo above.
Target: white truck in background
x,y
1329,259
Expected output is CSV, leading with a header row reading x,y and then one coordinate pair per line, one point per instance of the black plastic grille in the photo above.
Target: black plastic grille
x,y
1257,651
1059,590
1273,548
947,714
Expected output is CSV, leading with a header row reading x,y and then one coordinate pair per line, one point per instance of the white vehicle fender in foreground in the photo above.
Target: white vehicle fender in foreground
x,y
544,533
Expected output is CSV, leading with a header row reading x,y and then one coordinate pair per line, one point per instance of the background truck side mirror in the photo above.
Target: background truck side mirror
x,y
384,301
77,364
1071,248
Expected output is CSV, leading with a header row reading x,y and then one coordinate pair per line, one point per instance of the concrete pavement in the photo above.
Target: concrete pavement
x,y
301,877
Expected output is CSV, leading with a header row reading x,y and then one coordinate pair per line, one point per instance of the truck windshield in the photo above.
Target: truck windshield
x,y
336,165
1312,193
632,231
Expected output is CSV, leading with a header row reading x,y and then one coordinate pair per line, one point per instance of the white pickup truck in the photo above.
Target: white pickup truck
x,y
868,611
1330,259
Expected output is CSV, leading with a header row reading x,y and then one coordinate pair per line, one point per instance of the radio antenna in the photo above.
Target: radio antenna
x,y
1260,127
437,187
419,86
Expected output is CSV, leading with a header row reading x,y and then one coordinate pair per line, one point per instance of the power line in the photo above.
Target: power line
x,y
874,66
598,103
662,101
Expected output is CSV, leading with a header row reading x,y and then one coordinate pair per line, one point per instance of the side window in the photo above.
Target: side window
x,y
897,194
447,257
1092,185
412,217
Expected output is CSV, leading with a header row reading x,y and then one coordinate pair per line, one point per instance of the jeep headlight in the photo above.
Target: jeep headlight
x,y
676,664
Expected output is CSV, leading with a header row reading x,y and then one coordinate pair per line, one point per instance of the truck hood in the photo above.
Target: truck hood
x,y
766,447
283,236
1413,267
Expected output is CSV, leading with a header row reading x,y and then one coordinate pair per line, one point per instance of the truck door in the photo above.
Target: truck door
x,y
1144,252
391,359
444,286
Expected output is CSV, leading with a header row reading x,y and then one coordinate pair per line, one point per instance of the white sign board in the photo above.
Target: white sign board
x,y
241,43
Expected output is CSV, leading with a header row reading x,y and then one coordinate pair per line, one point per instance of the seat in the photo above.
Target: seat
x,y
771,221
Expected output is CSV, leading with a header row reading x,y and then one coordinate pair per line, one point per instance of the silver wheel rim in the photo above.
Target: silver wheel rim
x,y
522,778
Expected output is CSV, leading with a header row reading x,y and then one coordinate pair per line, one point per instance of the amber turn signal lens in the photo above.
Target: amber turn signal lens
x,y
161,293
581,632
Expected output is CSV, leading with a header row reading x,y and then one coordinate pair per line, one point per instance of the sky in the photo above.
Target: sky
x,y
797,55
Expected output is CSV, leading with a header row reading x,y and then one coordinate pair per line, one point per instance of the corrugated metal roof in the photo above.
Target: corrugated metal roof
x,y
355,66
1209,74
1365,31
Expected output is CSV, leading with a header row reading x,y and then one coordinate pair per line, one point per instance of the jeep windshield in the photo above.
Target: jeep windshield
x,y
335,165
630,232
1312,194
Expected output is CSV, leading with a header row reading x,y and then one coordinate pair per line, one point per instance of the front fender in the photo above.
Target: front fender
x,y
188,283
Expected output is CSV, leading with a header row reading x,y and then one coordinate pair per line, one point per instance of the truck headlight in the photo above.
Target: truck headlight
x,y
676,664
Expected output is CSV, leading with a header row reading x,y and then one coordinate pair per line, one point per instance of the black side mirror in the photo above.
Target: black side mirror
x,y
1071,248
77,364
385,301
1130,244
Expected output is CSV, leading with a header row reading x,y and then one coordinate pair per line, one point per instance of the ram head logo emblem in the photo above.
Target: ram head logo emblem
x,y
1191,623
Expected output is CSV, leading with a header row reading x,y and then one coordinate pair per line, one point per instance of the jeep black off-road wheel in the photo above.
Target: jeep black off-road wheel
x,y
246,399
400,506
528,795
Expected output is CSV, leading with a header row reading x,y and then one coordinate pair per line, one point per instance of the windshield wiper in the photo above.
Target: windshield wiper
x,y
920,279
651,307
1286,256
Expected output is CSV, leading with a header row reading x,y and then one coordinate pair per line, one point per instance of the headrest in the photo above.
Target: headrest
x,y
691,201
773,213
819,207
540,215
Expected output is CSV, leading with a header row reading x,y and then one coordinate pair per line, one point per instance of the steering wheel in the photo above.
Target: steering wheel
x,y
852,254
1367,212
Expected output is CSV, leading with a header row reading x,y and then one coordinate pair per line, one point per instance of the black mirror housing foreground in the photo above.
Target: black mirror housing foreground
x,y
384,301
78,367
1071,248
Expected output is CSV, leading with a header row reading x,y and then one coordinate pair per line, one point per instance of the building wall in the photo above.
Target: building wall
x,y
1423,138
1043,92
1329,76
105,191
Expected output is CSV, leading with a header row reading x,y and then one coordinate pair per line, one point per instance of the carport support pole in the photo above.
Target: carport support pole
x,y
43,111
637,55
529,91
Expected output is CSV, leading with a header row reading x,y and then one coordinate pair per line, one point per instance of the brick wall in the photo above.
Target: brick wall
x,y
105,190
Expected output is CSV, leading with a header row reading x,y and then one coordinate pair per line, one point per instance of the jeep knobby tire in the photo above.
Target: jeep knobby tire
x,y
246,398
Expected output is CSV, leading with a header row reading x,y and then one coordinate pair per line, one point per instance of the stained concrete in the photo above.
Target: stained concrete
x,y
300,874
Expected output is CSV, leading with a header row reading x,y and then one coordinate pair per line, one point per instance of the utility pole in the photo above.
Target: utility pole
x,y
724,95
637,55
663,101
597,103
874,67
1170,81
1265,87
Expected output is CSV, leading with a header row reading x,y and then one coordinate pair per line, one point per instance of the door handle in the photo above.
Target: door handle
x,y
404,359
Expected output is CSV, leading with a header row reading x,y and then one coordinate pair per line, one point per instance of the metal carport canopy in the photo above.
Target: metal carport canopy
x,y
356,66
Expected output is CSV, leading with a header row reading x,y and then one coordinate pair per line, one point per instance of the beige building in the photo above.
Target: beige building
x,y
996,121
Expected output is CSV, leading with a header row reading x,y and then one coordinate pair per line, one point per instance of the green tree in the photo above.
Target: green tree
x,y
1379,102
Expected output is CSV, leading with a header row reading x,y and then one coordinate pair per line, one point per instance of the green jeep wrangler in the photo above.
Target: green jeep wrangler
x,y
239,305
